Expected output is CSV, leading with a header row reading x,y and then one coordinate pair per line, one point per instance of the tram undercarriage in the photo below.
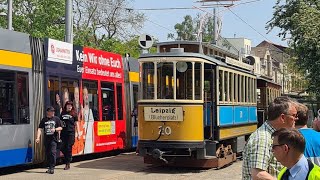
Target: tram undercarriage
x,y
201,155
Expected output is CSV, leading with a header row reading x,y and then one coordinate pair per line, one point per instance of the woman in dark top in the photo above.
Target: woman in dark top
x,y
69,120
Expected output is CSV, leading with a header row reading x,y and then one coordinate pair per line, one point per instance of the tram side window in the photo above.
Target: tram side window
x,y
225,93
235,86
165,80
231,82
197,81
70,92
108,101
54,95
148,80
67,89
90,100
23,98
184,80
220,84
14,98
119,101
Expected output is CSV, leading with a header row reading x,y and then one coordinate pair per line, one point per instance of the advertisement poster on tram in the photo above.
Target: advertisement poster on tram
x,y
94,82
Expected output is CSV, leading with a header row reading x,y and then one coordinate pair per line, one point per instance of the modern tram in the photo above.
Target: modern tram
x,y
194,110
36,73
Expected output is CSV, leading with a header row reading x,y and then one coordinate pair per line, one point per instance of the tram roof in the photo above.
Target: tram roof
x,y
9,41
267,80
194,55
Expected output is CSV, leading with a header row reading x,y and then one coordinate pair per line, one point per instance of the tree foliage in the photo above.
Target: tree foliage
x,y
189,28
104,24
39,18
98,21
299,20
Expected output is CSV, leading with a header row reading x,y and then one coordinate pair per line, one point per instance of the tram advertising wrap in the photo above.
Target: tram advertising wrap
x,y
94,81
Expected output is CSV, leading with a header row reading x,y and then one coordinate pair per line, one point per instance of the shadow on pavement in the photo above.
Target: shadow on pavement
x,y
133,163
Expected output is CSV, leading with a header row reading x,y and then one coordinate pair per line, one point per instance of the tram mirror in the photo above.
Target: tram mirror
x,y
182,66
159,64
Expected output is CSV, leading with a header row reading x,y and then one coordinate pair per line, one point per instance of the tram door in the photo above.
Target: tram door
x,y
134,113
209,100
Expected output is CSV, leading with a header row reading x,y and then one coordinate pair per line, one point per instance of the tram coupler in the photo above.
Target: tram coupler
x,y
157,154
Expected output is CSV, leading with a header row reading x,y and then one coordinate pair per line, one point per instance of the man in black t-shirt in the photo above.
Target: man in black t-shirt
x,y
51,126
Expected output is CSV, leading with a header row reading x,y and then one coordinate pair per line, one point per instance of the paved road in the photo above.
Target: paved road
x,y
126,166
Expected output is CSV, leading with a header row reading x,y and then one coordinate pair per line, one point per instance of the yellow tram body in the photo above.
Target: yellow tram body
x,y
190,129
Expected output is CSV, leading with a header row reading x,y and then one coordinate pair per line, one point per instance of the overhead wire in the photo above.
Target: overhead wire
x,y
186,8
248,24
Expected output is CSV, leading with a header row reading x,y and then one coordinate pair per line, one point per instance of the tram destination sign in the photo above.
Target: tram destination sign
x,y
163,113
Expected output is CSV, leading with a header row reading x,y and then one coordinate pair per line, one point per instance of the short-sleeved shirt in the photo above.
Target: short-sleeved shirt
x,y
312,151
69,121
47,124
258,153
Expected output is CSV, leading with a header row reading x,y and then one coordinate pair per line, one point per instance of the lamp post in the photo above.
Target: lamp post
x,y
8,14
68,25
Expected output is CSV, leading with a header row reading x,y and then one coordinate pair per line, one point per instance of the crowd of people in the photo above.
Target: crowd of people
x,y
283,147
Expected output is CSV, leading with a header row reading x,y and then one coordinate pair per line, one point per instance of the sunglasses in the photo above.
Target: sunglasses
x,y
293,115
276,145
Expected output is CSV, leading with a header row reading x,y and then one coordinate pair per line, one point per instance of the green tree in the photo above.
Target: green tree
x,y
299,21
39,18
189,27
105,20
103,24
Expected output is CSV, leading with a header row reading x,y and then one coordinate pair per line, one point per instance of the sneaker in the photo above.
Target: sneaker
x,y
50,171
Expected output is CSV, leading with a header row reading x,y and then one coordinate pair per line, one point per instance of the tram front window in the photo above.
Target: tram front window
x,y
148,80
184,80
165,80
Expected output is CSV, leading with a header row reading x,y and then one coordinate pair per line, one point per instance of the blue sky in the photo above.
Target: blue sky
x,y
257,14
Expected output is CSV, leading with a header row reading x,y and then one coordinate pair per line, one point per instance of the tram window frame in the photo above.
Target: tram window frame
x,y
92,86
54,94
239,88
108,86
220,85
18,104
230,89
165,80
147,80
120,112
207,85
198,78
235,87
249,97
245,98
226,86
184,83
68,85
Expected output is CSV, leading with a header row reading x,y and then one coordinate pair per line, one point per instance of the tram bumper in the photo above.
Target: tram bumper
x,y
159,149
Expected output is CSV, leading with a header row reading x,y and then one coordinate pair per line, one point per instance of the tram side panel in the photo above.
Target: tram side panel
x,y
16,117
94,80
236,107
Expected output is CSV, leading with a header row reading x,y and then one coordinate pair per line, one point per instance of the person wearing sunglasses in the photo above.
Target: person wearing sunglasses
x,y
312,137
288,147
258,160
